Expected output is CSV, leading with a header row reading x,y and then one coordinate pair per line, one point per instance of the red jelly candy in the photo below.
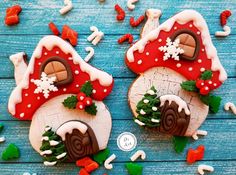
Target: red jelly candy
x,y
54,28
83,172
127,37
69,34
136,23
120,13
195,155
12,13
91,167
84,162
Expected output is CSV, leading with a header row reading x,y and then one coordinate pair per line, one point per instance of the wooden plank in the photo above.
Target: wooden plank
x,y
117,101
109,55
83,15
219,143
160,168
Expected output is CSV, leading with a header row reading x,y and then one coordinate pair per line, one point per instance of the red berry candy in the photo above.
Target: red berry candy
x,y
88,101
204,90
200,84
81,96
80,105
209,83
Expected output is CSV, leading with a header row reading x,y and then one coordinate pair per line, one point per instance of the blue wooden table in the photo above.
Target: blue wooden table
x,y
220,142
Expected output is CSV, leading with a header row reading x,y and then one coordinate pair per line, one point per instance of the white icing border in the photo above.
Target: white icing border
x,y
183,18
49,42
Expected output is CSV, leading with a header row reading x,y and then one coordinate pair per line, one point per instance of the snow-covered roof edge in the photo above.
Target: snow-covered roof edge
x,y
49,42
183,18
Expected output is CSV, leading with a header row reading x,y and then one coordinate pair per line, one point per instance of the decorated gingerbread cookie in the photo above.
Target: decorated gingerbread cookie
x,y
178,69
62,95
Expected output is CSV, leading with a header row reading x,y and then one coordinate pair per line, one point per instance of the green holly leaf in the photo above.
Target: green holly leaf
x,y
101,156
134,168
11,152
212,101
207,75
189,86
91,109
70,102
180,143
87,88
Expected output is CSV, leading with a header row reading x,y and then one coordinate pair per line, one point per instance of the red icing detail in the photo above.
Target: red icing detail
x,y
205,90
80,105
195,155
136,23
36,100
154,58
120,13
88,101
91,167
88,164
84,162
224,16
127,37
54,28
12,13
70,35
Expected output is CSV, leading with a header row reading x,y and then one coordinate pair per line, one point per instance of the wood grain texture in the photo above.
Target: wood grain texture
x,y
109,56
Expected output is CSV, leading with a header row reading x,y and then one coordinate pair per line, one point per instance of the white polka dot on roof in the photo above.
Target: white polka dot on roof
x,y
190,25
147,53
190,68
26,94
175,28
45,53
139,61
76,72
29,105
77,85
22,115
57,52
156,59
199,61
105,90
202,69
160,40
94,91
203,50
39,63
178,65
215,84
38,98
198,33
70,58
64,89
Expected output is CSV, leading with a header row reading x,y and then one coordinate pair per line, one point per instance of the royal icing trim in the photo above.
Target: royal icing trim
x,y
183,18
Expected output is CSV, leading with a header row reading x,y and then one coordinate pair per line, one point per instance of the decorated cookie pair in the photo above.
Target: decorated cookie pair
x,y
178,68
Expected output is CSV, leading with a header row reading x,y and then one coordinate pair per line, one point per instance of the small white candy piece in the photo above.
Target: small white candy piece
x,y
107,163
68,6
202,168
130,4
231,106
96,36
46,163
90,55
199,132
142,112
139,122
139,153
226,32
155,120
2,139
150,92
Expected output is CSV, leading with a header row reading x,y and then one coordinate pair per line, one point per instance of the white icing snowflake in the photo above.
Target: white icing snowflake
x,y
171,49
45,85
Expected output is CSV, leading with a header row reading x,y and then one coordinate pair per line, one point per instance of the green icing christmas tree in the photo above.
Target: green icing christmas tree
x,y
53,149
148,109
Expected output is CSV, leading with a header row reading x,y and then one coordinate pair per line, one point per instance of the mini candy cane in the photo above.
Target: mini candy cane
x,y
2,139
136,23
130,4
202,168
223,21
96,36
231,106
224,16
90,55
68,6
107,163
199,132
139,153
120,13
127,37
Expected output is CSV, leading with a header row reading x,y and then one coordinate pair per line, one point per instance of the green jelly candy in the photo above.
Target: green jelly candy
x,y
134,169
101,156
11,152
179,143
1,127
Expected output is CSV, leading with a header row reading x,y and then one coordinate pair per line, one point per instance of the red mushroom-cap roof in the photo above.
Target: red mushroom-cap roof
x,y
146,53
23,101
